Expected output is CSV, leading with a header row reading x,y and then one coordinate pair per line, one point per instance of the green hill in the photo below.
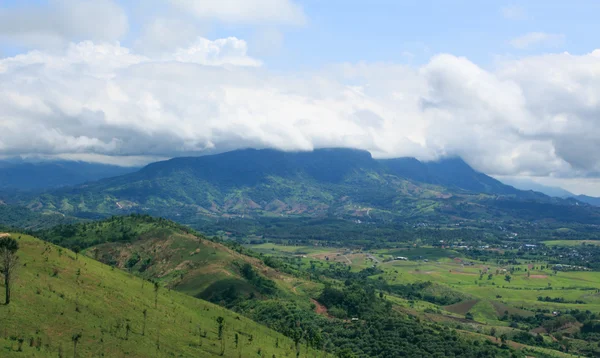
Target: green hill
x,y
59,294
175,256
316,313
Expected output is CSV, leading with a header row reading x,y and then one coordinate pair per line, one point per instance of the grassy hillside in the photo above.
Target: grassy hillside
x,y
272,292
59,294
177,257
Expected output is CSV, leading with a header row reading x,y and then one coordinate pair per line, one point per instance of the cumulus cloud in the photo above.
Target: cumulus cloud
x,y
57,22
534,116
537,39
244,11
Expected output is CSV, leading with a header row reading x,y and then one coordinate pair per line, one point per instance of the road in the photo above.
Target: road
x,y
373,258
346,257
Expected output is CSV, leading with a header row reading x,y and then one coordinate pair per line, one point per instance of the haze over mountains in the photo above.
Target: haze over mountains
x,y
524,184
28,175
341,183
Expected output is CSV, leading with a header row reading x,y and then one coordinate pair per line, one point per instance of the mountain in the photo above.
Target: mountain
x,y
526,184
22,175
449,172
588,199
59,294
340,183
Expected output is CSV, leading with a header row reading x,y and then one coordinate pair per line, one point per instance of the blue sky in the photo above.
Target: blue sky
x,y
413,31
512,87
404,31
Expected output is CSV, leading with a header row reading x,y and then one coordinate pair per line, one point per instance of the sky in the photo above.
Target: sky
x,y
512,87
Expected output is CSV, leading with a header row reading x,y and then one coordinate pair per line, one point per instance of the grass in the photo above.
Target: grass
x,y
57,295
570,243
461,308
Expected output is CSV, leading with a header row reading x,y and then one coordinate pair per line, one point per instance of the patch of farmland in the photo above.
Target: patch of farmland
x,y
461,307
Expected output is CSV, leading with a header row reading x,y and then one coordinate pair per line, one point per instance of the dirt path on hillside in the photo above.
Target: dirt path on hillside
x,y
294,287
319,308
538,276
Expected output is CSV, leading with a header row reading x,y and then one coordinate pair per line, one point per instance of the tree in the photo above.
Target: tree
x,y
507,278
220,321
8,263
76,250
127,329
503,338
75,338
493,332
145,312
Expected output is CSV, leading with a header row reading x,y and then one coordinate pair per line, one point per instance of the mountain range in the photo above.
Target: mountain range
x,y
17,174
525,184
340,183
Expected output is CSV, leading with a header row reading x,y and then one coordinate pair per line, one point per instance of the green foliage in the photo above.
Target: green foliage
x,y
23,218
115,229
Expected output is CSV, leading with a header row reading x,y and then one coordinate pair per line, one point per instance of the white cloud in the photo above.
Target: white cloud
x,y
533,116
537,39
58,22
246,11
514,13
164,34
229,51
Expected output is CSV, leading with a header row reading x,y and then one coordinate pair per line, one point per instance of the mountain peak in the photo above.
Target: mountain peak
x,y
252,166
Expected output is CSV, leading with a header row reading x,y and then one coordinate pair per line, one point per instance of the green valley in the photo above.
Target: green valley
x,y
154,264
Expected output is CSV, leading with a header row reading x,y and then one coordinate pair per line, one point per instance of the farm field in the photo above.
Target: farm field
x,y
527,282
305,254
569,243
486,296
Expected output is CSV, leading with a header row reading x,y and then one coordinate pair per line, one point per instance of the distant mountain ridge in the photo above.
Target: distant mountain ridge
x,y
588,199
527,184
551,191
449,172
23,175
342,183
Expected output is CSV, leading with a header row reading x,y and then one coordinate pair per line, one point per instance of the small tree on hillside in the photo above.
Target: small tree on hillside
x,y
220,321
145,312
8,263
75,338
76,250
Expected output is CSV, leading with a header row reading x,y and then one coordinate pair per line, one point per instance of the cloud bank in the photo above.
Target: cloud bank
x,y
79,93
533,116
55,23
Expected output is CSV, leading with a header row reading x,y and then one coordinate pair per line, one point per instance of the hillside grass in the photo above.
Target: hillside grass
x,y
570,243
58,294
